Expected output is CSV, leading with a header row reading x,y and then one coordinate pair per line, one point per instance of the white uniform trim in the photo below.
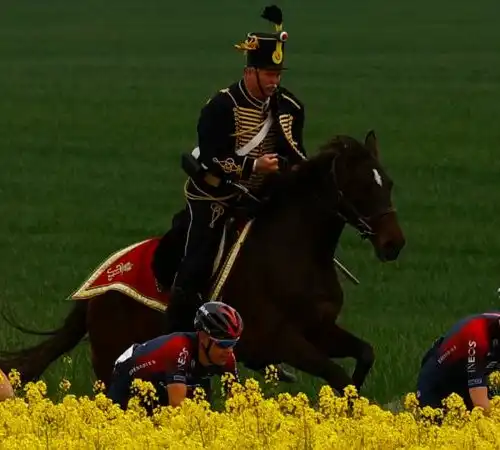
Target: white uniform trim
x,y
250,145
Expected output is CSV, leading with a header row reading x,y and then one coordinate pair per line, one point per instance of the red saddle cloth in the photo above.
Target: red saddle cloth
x,y
127,271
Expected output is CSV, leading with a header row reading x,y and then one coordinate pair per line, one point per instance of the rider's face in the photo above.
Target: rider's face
x,y
269,81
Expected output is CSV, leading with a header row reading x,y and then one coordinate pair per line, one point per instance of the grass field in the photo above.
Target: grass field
x,y
100,98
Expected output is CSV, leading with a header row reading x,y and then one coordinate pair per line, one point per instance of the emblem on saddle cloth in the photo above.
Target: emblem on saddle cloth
x,y
126,271
119,269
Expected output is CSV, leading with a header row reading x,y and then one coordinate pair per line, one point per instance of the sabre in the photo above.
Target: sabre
x,y
245,190
345,271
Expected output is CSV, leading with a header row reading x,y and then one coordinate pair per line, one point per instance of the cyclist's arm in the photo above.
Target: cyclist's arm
x,y
176,393
177,359
477,348
6,390
479,397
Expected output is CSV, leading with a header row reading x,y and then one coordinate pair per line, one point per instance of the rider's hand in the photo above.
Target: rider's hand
x,y
266,163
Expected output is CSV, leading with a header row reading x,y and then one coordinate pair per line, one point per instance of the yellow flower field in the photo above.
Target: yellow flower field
x,y
249,421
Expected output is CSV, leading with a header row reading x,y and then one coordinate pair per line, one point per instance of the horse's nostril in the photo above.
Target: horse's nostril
x,y
389,251
392,249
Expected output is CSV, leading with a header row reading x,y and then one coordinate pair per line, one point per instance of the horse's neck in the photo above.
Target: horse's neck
x,y
324,231
305,228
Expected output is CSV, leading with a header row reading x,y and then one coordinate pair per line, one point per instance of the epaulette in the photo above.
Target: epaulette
x,y
286,94
228,92
221,91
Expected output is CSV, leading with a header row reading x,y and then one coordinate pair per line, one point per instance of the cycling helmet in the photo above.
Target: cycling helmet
x,y
219,321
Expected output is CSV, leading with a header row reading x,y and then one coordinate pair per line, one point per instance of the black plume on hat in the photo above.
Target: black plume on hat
x,y
273,14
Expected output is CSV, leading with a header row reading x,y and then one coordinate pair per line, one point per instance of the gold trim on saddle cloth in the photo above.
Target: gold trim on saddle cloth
x,y
84,293
228,264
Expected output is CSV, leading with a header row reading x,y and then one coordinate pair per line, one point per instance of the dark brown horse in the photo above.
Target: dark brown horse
x,y
283,281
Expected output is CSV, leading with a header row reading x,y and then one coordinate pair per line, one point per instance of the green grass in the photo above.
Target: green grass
x,y
99,100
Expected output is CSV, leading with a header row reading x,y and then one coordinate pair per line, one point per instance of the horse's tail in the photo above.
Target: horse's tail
x,y
31,362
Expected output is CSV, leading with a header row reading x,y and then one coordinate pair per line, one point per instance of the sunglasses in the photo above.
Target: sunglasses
x,y
225,343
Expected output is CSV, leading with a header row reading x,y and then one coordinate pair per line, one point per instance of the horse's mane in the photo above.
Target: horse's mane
x,y
308,177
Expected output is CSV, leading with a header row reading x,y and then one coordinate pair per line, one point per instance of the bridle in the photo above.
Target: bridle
x,y
343,209
347,212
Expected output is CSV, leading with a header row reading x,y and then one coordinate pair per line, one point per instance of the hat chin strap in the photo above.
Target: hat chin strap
x,y
259,83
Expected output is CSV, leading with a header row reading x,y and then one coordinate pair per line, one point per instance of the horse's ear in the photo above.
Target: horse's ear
x,y
371,143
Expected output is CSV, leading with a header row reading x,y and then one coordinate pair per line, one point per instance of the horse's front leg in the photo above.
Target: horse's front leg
x,y
293,348
336,342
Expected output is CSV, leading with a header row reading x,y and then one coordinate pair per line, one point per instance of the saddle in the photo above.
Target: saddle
x,y
170,251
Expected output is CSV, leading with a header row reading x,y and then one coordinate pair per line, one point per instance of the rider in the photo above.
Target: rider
x,y
460,361
244,131
179,362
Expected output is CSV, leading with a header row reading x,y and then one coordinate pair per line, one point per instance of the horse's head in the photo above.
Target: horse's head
x,y
362,191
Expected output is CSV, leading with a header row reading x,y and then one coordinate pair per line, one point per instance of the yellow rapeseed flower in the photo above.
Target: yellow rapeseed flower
x,y
15,379
249,421
65,385
98,387
271,375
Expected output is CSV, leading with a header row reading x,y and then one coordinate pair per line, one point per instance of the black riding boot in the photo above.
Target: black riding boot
x,y
179,315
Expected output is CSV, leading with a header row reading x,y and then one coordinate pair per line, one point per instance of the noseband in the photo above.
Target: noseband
x,y
348,213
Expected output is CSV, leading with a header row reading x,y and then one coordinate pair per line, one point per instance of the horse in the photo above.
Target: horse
x,y
281,277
